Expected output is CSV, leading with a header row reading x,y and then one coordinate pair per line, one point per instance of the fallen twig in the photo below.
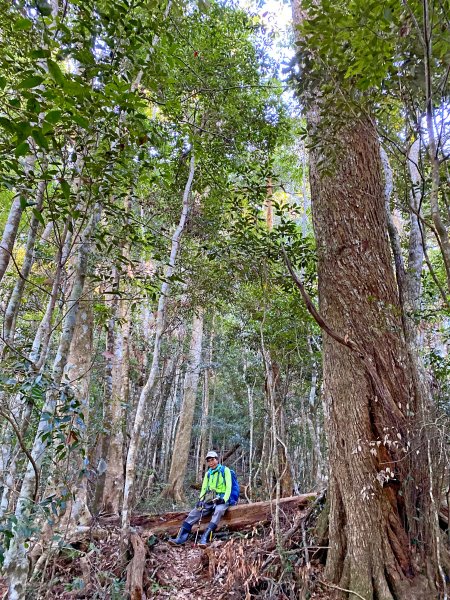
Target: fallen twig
x,y
336,587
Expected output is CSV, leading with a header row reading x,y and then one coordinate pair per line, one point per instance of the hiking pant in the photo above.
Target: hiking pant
x,y
218,511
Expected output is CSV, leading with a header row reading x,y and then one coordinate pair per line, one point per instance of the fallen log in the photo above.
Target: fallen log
x,y
135,569
236,518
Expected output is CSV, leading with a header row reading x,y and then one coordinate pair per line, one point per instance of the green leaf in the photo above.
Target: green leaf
x,y
65,187
7,124
55,72
85,57
73,88
80,120
30,82
44,7
2,82
53,116
22,24
23,129
22,149
40,138
33,106
38,216
46,127
40,53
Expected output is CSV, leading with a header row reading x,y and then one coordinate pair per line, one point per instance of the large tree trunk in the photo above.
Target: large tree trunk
x,y
368,393
379,495
183,439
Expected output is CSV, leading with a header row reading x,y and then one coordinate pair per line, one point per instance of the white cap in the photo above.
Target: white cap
x,y
212,454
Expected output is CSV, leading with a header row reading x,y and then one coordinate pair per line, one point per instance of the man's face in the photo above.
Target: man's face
x,y
212,462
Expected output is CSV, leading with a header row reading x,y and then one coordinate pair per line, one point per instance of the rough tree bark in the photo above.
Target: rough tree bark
x,y
182,444
378,495
369,547
369,551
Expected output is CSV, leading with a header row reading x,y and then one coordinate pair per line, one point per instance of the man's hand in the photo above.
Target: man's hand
x,y
219,500
200,504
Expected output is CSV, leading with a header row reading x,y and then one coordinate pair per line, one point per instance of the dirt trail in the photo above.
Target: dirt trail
x,y
183,573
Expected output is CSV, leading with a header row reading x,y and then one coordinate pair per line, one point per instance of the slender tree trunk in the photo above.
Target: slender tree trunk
x,y
104,439
12,309
251,419
147,390
415,250
279,461
203,446
433,148
169,423
43,335
156,433
9,234
16,563
78,374
312,419
23,408
113,487
182,444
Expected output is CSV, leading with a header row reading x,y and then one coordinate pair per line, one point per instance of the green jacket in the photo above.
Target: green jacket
x,y
214,481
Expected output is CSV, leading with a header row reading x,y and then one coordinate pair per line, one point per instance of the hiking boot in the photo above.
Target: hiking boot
x,y
183,535
207,535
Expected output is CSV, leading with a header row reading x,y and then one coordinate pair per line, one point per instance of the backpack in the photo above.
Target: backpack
x,y
234,496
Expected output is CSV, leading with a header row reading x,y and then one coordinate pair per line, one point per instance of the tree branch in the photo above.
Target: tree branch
x,y
313,310
25,449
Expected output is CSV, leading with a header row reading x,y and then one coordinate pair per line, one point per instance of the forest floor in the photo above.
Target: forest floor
x,y
233,569
240,565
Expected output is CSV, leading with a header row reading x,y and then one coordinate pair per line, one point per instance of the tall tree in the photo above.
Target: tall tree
x,y
182,443
374,405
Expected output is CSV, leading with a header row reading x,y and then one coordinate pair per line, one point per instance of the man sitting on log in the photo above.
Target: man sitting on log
x,y
214,498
